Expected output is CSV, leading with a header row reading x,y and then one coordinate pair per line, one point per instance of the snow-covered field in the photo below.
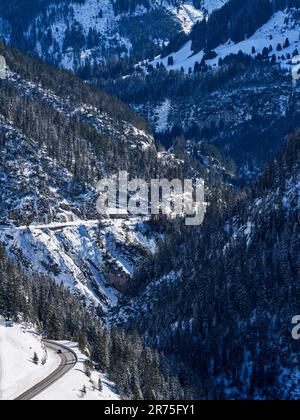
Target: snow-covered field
x,y
18,372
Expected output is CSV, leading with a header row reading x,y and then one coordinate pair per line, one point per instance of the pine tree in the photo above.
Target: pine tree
x,y
35,359
100,385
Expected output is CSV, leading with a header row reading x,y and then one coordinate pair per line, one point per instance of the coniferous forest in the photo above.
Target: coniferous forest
x,y
162,90
138,371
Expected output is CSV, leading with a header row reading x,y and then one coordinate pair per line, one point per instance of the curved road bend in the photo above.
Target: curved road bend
x,y
68,361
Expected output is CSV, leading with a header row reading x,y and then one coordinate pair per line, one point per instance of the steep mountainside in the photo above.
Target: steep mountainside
x,y
233,86
218,86
245,109
138,372
58,137
54,149
275,34
211,92
221,299
72,33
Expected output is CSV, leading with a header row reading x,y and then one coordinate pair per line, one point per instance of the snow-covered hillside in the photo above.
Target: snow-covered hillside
x,y
210,5
101,17
96,261
256,101
76,385
19,372
95,30
56,229
187,15
282,26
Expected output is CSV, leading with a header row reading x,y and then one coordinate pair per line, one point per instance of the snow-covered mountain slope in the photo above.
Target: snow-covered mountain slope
x,y
51,160
246,111
187,15
74,34
210,5
77,385
18,372
233,293
216,90
94,260
275,195
282,26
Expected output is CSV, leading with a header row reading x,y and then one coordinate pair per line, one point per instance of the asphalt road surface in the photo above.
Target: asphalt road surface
x,y
68,361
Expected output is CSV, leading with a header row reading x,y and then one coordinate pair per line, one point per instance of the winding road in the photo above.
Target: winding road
x,y
51,226
68,361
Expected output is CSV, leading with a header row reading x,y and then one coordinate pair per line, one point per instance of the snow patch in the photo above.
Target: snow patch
x,y
162,114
